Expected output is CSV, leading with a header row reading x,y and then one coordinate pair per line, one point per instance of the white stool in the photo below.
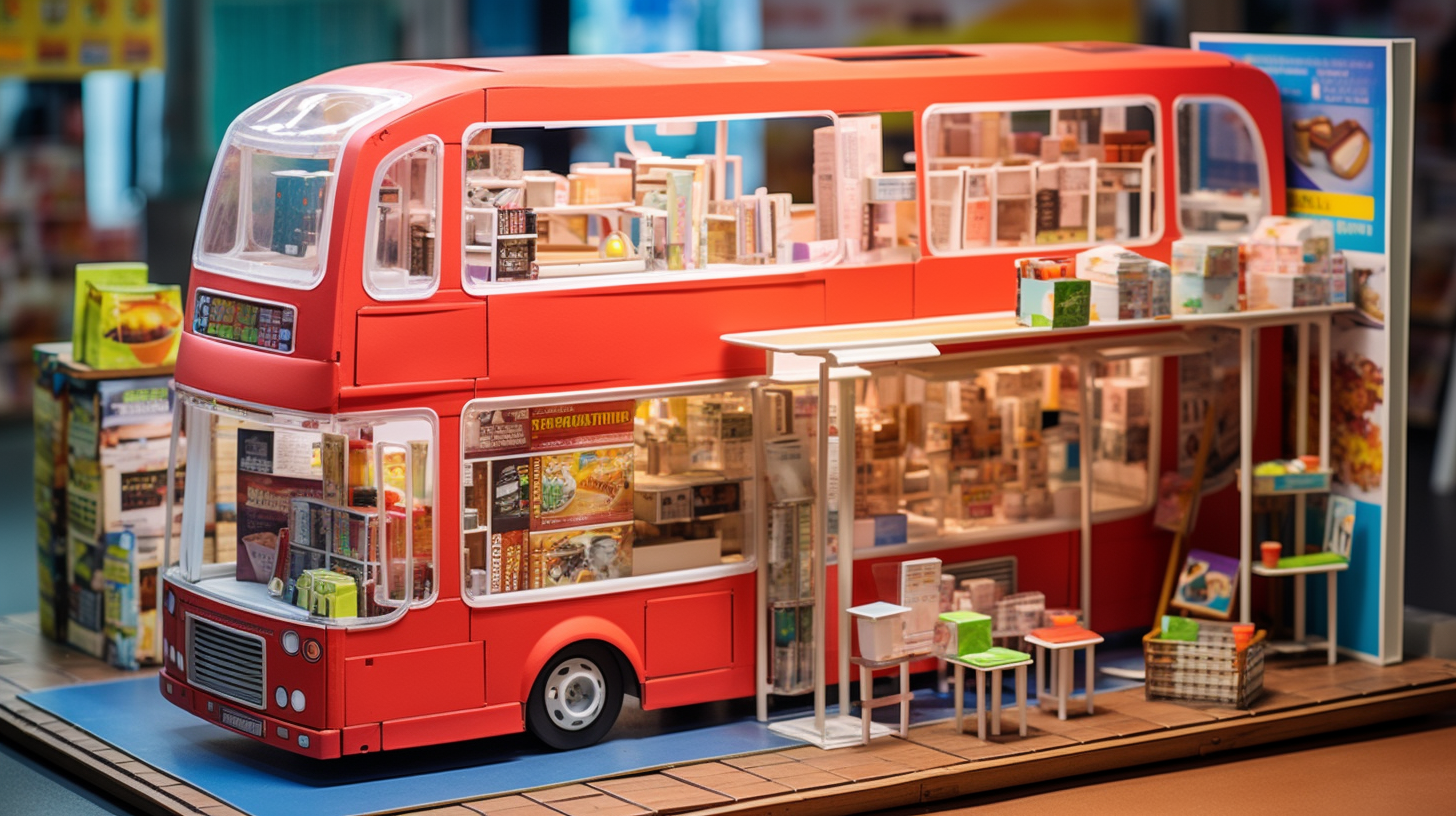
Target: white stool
x,y
1063,656
868,702
995,672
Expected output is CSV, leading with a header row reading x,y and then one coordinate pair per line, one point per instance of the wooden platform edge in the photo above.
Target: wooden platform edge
x,y
90,769
1187,742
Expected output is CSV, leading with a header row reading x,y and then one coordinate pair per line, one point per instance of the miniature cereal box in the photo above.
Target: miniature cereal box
x,y
1048,295
961,633
131,326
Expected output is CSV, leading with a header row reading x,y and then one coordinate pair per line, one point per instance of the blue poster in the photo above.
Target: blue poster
x,y
1335,97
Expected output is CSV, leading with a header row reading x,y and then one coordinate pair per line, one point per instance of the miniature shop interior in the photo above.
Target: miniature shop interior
x,y
757,441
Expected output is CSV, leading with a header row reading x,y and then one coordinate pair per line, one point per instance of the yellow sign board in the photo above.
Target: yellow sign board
x,y
64,39
1331,205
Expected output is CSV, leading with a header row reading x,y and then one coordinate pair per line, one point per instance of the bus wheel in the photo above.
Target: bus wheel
x,y
576,698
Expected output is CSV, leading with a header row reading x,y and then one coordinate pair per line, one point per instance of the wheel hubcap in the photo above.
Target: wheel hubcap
x,y
575,694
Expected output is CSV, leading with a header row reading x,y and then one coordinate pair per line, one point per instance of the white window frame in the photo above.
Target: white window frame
x,y
197,577
408,291
1156,229
590,281
1256,135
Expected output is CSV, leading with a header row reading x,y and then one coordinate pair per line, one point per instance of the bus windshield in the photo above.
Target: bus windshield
x,y
308,517
268,202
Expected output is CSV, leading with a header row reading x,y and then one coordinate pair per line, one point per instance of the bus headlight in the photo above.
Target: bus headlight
x,y
280,696
290,642
298,701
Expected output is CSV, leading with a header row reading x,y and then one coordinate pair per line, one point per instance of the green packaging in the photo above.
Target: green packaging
x,y
962,633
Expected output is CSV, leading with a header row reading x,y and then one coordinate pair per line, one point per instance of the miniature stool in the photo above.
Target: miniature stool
x,y
868,702
993,661
1063,641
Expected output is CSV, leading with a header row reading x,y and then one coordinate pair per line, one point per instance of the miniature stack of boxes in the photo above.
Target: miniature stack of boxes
x,y
1292,264
103,435
1124,284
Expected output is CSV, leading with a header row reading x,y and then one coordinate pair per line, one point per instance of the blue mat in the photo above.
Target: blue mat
x,y
264,781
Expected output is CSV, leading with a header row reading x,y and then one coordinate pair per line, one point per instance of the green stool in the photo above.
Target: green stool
x,y
991,661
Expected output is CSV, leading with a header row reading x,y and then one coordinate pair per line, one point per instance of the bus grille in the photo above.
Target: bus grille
x,y
226,662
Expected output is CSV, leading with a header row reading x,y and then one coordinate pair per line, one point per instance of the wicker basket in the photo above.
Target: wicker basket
x,y
1208,669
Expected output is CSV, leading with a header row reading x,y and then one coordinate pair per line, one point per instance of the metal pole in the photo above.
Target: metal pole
x,y
846,539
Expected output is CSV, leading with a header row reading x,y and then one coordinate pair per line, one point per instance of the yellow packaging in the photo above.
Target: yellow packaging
x,y
131,326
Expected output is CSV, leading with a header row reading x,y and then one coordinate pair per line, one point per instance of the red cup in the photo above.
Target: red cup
x,y
1243,633
1270,551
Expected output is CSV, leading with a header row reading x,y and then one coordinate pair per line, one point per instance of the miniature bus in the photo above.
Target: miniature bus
x,y
464,452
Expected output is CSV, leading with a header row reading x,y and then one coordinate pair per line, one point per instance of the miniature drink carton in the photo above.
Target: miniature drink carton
x,y
961,633
1048,294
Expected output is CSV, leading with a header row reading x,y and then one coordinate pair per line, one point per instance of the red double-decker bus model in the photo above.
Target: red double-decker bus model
x,y
465,454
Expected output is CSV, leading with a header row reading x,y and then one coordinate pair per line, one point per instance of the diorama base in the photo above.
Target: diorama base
x,y
935,762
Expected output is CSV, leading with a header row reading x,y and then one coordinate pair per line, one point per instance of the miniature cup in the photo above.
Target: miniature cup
x,y
1243,633
1270,551
1063,620
1311,462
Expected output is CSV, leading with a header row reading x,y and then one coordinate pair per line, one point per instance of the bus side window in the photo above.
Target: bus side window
x,y
404,221
1023,175
1222,181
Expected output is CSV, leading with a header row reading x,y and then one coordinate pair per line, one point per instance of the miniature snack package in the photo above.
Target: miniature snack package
x,y
960,633
1048,294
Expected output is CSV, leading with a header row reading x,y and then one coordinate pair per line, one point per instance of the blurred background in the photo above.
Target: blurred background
x,y
109,126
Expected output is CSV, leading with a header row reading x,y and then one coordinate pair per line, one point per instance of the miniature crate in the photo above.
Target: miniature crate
x,y
1207,669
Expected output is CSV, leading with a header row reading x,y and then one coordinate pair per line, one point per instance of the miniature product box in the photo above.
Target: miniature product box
x,y
1048,295
1281,291
961,633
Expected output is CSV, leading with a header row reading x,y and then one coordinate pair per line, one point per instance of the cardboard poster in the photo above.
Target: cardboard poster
x,y
1348,121
581,488
584,425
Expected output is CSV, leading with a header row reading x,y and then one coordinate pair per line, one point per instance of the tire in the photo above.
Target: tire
x,y
576,697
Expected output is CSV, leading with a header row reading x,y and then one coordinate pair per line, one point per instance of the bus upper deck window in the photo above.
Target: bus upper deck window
x,y
1030,174
1223,183
403,222
269,201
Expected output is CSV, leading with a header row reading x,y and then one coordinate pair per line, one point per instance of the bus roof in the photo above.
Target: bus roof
x,y
428,81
